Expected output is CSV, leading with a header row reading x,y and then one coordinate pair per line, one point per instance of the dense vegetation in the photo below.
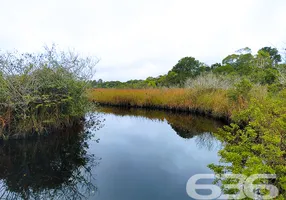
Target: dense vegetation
x,y
263,68
249,89
43,91
255,143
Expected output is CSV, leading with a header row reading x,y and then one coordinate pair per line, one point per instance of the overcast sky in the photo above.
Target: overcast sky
x,y
140,38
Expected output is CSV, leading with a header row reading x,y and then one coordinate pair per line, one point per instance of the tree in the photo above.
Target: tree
x,y
215,66
273,53
225,69
151,82
100,81
187,67
241,62
172,79
162,80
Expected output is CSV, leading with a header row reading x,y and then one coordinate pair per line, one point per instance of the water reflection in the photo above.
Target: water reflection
x,y
185,125
145,155
151,154
55,167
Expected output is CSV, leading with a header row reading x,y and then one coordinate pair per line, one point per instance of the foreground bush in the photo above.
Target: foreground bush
x,y
41,92
255,143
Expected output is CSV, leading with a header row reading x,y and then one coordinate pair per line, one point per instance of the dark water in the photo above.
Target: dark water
x,y
125,154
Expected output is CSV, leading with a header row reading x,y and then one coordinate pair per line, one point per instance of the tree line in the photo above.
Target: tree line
x,y
264,67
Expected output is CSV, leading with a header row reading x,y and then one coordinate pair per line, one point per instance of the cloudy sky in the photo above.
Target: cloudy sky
x,y
140,38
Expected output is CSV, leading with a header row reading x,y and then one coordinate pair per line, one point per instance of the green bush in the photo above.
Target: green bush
x,y
258,147
44,91
240,90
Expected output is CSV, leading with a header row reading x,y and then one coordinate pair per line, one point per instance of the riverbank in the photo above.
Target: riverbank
x,y
214,103
254,143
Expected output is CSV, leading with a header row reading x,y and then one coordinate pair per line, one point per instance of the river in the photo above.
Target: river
x,y
124,154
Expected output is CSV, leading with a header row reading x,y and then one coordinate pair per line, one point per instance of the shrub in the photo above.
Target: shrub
x,y
257,147
282,75
43,91
241,90
209,81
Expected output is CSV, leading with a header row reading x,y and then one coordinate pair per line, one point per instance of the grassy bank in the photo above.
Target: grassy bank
x,y
254,143
247,89
215,103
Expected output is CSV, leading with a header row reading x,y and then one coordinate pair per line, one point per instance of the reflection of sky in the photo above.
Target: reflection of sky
x,y
144,159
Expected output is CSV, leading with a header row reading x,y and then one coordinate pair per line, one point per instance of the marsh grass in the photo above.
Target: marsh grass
x,y
213,102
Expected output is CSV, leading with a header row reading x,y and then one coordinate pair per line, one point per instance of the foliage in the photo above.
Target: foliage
x,y
264,67
240,63
272,53
43,91
282,74
240,90
187,67
259,147
210,81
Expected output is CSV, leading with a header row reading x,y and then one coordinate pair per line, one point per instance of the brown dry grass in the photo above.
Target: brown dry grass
x,y
211,102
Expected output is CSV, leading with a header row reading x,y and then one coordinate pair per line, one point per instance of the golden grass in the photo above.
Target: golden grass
x,y
211,102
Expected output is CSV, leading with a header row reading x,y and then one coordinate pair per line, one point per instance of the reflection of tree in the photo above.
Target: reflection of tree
x,y
185,125
206,140
188,126
55,167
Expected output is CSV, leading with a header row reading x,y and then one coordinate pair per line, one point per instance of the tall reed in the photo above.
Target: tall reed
x,y
214,102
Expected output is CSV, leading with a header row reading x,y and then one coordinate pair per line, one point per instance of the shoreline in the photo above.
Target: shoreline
x,y
210,103
171,110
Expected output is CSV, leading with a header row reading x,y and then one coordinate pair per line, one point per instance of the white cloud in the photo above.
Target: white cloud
x,y
137,39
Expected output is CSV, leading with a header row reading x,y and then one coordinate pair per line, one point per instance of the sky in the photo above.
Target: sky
x,y
135,39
